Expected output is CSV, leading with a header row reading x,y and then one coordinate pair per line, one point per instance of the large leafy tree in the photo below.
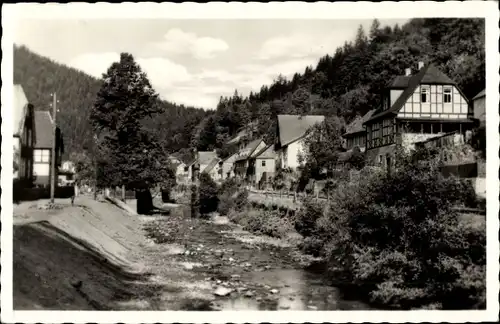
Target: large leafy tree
x,y
129,153
323,142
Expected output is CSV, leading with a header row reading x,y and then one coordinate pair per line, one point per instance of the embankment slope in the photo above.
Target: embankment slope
x,y
86,257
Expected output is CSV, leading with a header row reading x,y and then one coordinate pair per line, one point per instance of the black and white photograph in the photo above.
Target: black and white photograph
x,y
263,162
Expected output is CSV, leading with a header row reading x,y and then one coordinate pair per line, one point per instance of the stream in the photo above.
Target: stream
x,y
245,271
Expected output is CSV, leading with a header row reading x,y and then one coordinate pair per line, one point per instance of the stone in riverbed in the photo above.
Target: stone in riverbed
x,y
274,291
249,294
311,307
222,291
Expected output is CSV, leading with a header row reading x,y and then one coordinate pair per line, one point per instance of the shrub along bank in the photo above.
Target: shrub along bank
x,y
396,237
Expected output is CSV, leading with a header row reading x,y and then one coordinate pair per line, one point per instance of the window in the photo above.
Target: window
x,y
264,163
41,155
447,95
424,94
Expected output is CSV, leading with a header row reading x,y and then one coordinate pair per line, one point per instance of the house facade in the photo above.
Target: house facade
x,y
291,132
355,135
415,108
226,167
241,162
180,168
66,174
42,149
213,169
264,165
23,136
479,106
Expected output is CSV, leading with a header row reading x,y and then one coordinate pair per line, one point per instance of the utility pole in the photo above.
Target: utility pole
x,y
53,155
94,160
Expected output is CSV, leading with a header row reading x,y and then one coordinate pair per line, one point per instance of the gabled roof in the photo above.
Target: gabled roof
x,y
399,82
356,125
205,157
266,153
211,165
231,158
250,148
43,130
480,95
429,74
19,109
294,127
175,161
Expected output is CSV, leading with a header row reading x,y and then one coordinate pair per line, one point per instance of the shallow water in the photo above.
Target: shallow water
x,y
261,273
297,290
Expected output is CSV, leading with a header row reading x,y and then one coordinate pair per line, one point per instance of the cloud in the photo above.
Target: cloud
x,y
94,64
161,71
301,45
175,83
176,41
257,75
172,81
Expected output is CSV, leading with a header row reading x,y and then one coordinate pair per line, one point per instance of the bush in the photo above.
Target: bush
x,y
305,219
232,196
208,200
397,236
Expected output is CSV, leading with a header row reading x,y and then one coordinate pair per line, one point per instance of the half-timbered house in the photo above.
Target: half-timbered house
x,y
416,107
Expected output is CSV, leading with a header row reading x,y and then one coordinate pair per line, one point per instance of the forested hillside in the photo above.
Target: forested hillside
x,y
349,81
76,93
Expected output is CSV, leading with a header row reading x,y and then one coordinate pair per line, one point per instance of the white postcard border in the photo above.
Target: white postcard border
x,y
234,10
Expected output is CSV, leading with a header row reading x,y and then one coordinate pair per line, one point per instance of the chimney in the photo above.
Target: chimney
x,y
420,65
407,71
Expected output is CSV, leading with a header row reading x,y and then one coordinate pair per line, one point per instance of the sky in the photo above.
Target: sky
x,y
193,62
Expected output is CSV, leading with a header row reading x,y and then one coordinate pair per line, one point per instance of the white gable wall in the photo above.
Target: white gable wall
x,y
291,154
435,107
395,93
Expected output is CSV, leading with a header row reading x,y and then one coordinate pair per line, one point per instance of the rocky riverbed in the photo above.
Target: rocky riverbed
x,y
243,271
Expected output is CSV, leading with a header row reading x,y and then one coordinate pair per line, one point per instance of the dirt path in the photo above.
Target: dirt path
x,y
96,256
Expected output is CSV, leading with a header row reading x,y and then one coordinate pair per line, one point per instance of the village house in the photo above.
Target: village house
x,y
180,168
226,166
291,132
263,164
355,135
241,162
213,170
42,149
66,174
415,107
24,135
201,161
479,107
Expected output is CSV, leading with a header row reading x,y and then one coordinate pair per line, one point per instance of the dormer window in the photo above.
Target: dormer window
x,y
424,94
447,95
